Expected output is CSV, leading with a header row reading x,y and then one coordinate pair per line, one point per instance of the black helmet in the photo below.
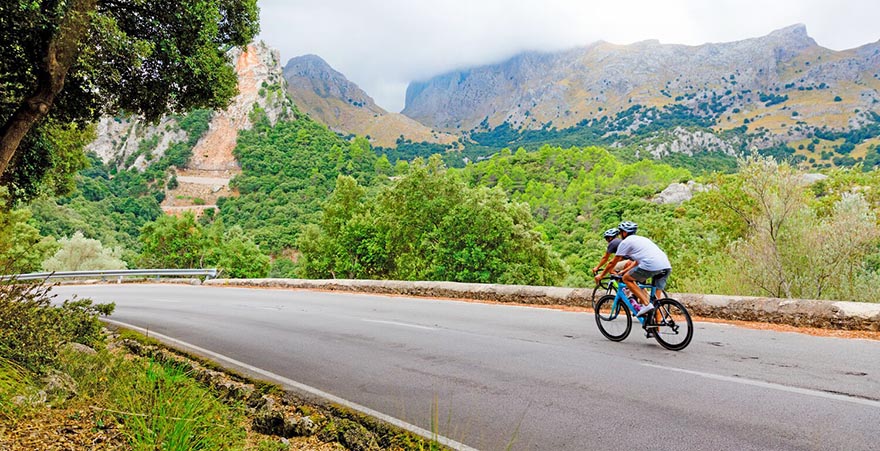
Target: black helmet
x,y
628,227
611,233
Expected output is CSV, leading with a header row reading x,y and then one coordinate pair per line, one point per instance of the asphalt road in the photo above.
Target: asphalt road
x,y
506,377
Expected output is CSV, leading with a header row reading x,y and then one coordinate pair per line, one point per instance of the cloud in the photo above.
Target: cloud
x,y
382,45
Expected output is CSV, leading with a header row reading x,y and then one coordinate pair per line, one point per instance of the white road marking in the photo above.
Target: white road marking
x,y
772,386
395,323
445,441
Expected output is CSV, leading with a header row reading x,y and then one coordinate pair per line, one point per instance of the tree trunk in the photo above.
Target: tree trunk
x,y
62,52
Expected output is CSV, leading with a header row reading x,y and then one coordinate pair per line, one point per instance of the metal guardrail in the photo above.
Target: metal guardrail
x,y
107,273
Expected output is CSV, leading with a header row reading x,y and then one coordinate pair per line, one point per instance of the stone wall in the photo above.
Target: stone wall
x,y
795,312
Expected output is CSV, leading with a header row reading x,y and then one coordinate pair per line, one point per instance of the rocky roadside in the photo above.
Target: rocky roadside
x,y
278,420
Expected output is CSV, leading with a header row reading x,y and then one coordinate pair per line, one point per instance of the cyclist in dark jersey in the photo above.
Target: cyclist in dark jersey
x,y
613,242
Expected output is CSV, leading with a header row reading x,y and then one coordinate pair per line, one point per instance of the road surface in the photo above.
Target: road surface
x,y
522,378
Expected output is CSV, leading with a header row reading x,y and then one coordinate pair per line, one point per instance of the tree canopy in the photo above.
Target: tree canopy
x,y
64,63
428,225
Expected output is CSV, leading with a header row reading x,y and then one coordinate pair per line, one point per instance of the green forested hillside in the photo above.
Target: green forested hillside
x,y
576,193
287,171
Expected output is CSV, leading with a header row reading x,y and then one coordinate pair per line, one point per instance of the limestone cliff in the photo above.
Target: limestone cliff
x,y
130,143
260,83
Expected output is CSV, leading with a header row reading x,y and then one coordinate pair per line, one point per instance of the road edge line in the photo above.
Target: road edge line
x,y
445,441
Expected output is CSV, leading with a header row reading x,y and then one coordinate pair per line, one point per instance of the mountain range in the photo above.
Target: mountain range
x,y
775,93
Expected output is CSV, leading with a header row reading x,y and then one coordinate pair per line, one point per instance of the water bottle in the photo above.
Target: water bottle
x,y
635,304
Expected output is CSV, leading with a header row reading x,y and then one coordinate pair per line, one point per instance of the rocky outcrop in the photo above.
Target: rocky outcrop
x,y
129,142
676,193
328,96
206,176
689,142
260,84
120,140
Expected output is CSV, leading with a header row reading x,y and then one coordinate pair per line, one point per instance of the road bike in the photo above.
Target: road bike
x,y
670,323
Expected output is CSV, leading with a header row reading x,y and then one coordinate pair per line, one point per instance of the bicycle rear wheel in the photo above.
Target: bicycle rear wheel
x,y
672,325
613,318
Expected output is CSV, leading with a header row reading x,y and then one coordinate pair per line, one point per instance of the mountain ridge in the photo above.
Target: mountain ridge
x,y
773,93
327,95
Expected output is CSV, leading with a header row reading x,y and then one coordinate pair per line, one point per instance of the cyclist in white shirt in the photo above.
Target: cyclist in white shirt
x,y
652,262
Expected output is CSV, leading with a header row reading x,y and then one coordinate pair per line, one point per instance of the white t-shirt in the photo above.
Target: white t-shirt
x,y
644,251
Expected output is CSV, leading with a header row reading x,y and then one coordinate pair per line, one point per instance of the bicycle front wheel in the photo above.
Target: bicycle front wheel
x,y
673,327
598,292
613,318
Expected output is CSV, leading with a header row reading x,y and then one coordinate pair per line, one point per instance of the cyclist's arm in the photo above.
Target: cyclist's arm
x,y
629,266
602,262
614,261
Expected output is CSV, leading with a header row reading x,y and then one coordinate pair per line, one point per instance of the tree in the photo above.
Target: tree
x,y
235,254
79,253
791,248
21,246
428,226
173,242
64,63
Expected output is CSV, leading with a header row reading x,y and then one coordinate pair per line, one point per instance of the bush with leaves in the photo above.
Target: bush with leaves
x,y
22,248
182,242
235,254
173,242
79,253
786,243
31,328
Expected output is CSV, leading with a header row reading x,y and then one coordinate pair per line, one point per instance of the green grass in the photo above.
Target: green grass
x,y
14,381
159,405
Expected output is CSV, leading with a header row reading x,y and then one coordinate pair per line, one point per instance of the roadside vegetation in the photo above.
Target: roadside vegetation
x,y
66,385
60,383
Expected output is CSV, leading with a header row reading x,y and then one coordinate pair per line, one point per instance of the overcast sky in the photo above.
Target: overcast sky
x,y
382,45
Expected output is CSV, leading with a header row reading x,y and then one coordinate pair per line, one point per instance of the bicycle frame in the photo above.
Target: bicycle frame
x,y
620,296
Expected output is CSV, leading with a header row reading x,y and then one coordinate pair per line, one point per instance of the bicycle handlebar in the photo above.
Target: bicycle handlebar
x,y
609,278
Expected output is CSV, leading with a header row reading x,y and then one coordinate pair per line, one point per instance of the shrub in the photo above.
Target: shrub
x,y
31,328
79,253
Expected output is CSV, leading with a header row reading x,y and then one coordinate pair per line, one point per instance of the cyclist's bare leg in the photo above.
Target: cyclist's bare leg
x,y
633,286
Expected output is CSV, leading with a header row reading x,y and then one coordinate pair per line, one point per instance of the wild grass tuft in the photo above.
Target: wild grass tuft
x,y
160,406
14,381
